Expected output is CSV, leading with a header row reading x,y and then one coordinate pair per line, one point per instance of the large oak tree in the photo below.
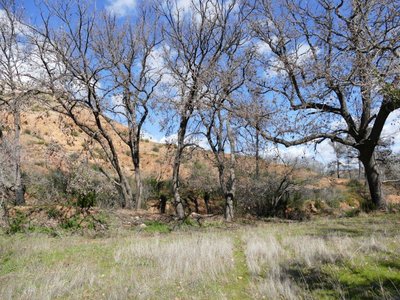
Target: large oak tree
x,y
336,68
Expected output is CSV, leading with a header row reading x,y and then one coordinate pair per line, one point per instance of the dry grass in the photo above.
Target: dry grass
x,y
134,267
287,265
263,254
44,282
327,259
161,265
310,251
189,258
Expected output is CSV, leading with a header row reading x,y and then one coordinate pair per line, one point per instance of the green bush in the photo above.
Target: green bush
x,y
154,187
17,223
72,223
87,200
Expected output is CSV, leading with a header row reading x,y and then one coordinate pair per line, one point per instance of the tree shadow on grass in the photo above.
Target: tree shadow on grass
x,y
352,284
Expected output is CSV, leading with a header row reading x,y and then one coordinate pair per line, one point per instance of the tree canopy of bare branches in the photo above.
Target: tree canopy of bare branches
x,y
195,41
336,66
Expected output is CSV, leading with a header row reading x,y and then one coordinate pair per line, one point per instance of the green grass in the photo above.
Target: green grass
x,y
348,258
156,226
238,283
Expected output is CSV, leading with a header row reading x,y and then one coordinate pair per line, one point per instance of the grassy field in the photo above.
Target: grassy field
x,y
346,258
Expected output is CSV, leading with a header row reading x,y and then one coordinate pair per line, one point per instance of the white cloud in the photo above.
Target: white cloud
x,y
148,136
392,130
190,8
171,139
121,7
183,4
157,62
190,139
322,153
263,49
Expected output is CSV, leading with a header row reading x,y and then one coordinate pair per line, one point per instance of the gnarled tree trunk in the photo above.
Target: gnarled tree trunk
x,y
374,180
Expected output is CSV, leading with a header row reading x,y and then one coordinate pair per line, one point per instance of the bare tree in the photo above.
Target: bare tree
x,y
219,132
335,64
251,132
16,86
127,51
216,116
76,79
340,153
195,40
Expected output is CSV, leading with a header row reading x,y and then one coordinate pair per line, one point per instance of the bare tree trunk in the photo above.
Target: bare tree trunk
x,y
257,153
126,191
206,202
348,167
163,203
194,200
139,189
221,175
230,193
123,181
177,163
374,181
138,178
338,167
19,187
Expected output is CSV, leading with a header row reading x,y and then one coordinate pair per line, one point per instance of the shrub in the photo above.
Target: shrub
x,y
48,188
154,187
330,196
86,200
74,133
17,222
53,213
71,223
84,184
74,156
269,196
354,185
